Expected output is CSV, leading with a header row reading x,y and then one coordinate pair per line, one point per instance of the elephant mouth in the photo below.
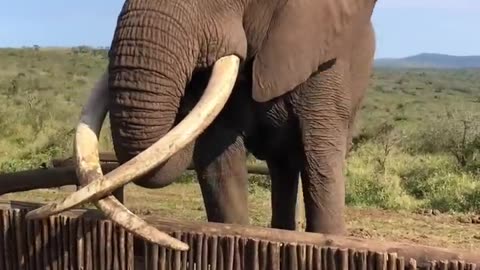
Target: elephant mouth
x,y
97,187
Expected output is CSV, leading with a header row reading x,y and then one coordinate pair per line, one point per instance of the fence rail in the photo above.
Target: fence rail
x,y
62,174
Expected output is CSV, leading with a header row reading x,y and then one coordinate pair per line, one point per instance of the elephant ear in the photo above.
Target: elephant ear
x,y
302,35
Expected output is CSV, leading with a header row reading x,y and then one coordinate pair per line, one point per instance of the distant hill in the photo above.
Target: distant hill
x,y
430,60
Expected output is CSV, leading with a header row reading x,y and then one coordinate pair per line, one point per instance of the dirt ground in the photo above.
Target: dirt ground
x,y
184,201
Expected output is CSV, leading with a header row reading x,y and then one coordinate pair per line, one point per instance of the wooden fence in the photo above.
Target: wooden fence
x,y
63,242
84,239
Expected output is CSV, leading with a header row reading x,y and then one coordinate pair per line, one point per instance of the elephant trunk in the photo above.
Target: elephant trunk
x,y
150,64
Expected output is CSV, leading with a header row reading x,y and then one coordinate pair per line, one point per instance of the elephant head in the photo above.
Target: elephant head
x,y
158,47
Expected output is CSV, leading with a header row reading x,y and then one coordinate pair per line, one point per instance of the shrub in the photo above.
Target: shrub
x,y
457,134
407,181
452,192
369,185
472,201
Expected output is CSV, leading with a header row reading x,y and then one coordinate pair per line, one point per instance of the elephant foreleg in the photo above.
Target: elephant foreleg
x,y
220,163
284,177
323,109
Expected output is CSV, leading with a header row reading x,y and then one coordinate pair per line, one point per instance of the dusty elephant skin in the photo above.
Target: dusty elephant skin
x,y
304,68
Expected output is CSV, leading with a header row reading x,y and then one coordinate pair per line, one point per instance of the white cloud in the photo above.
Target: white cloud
x,y
432,4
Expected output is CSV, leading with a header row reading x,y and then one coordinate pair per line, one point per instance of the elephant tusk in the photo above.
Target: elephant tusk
x,y
218,90
88,169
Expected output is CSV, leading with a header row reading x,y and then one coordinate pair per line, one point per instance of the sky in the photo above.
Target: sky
x,y
403,27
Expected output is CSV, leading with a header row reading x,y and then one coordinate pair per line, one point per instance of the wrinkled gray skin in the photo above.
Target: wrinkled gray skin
x,y
305,67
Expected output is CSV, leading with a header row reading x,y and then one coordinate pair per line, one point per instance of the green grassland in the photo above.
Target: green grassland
x,y
417,146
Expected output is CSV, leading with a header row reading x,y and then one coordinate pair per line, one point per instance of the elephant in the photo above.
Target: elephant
x,y
210,81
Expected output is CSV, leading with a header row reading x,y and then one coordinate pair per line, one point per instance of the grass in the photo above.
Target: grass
x,y
417,146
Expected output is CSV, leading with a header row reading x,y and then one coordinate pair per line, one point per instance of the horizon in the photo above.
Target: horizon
x,y
102,47
429,25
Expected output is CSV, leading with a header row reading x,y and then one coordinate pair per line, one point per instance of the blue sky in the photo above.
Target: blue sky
x,y
403,27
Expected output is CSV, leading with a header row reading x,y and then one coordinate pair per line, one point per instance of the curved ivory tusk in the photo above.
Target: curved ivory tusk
x,y
88,169
211,103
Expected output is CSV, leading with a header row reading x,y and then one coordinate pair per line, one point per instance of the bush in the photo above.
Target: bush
x,y
457,134
417,171
408,181
367,185
450,191
472,201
